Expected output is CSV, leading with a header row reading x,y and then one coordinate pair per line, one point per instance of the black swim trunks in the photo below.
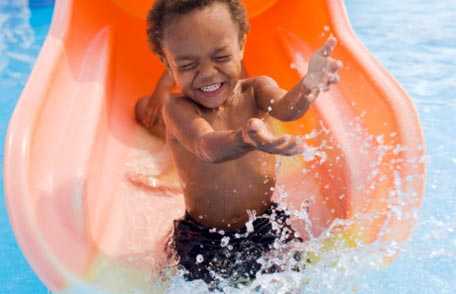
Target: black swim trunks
x,y
214,255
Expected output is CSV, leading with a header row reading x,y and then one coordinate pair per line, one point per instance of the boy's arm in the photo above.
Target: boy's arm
x,y
293,104
197,135
280,104
148,108
149,116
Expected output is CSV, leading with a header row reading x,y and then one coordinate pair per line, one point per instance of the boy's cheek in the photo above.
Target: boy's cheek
x,y
235,71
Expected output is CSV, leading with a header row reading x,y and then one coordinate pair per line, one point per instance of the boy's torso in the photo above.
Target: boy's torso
x,y
219,195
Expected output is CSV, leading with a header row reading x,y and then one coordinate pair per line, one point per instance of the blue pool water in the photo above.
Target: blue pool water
x,y
22,32
414,39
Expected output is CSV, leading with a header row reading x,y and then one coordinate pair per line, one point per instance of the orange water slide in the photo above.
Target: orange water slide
x,y
73,142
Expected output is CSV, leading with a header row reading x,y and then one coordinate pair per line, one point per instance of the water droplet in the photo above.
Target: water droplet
x,y
249,226
224,242
199,258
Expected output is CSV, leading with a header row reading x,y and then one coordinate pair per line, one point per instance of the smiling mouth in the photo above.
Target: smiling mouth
x,y
211,88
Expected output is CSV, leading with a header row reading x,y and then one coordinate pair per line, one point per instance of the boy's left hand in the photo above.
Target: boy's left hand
x,y
322,71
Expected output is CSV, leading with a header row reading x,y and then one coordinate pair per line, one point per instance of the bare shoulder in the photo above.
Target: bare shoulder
x,y
178,106
177,111
264,88
183,121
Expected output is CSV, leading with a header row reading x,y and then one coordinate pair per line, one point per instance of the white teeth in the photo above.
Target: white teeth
x,y
211,88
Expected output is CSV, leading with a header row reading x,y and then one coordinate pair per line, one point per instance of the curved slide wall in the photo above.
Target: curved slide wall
x,y
73,141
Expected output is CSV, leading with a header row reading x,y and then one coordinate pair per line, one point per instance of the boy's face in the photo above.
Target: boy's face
x,y
204,55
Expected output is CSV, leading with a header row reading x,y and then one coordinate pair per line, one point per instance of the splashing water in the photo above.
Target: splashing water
x,y
338,270
329,262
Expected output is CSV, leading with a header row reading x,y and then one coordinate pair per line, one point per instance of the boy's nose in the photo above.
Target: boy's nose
x,y
208,72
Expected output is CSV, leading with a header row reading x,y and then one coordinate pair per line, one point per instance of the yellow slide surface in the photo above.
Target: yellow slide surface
x,y
73,143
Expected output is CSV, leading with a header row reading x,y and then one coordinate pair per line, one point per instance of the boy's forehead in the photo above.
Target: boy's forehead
x,y
210,24
192,44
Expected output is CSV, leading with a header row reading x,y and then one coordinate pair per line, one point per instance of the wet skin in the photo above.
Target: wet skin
x,y
217,126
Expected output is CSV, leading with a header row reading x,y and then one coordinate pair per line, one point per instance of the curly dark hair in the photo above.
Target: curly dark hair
x,y
163,10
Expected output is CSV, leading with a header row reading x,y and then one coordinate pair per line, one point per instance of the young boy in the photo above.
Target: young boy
x,y
216,128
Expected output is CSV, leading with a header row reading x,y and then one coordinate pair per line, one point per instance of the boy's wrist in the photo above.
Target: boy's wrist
x,y
309,89
243,140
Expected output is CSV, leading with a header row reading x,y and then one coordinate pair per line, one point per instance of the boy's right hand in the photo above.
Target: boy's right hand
x,y
257,134
153,103
148,111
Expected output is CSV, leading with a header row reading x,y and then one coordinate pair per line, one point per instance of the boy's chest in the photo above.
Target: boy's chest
x,y
233,115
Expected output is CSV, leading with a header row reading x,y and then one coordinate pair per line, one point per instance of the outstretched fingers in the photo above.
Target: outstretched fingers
x,y
333,78
289,145
258,134
328,47
334,65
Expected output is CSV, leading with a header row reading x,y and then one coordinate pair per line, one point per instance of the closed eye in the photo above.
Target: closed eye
x,y
187,67
223,58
